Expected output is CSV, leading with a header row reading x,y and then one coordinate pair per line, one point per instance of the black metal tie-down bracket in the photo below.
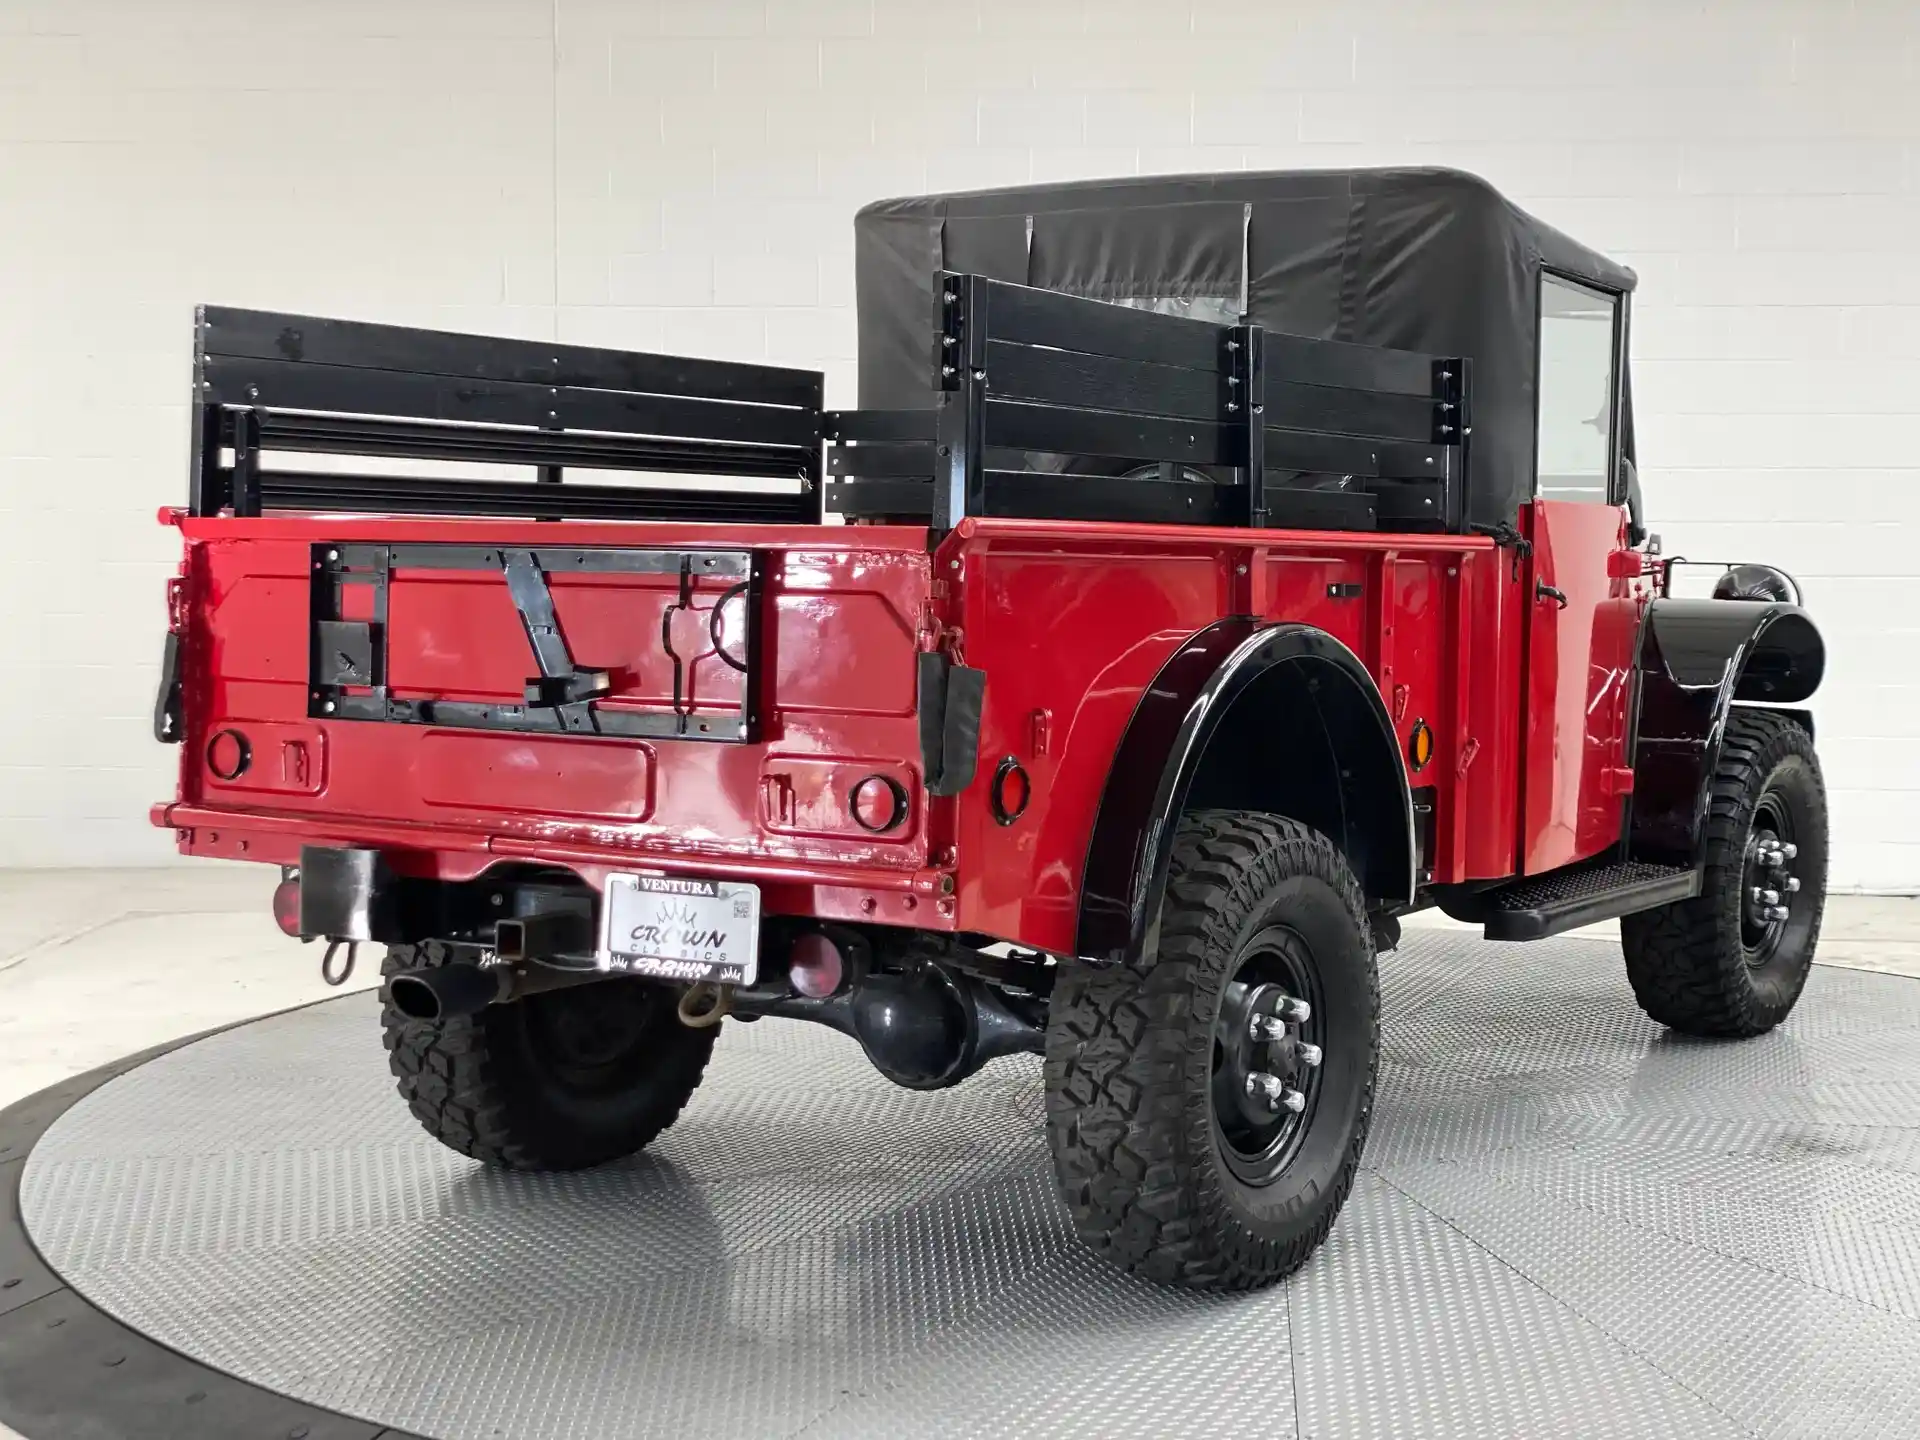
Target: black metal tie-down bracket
x,y
347,672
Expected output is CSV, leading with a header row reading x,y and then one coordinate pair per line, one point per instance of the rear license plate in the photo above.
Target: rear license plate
x,y
670,928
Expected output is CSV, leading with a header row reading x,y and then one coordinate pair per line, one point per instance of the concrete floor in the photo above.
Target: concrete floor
x,y
96,964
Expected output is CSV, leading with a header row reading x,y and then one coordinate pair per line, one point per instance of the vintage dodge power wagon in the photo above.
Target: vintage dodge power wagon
x,y
1216,570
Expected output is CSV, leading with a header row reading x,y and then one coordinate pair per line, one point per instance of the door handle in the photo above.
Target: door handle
x,y
1544,591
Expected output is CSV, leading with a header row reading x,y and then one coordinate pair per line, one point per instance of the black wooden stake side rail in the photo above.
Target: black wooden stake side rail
x,y
269,382
1248,346
960,376
1017,372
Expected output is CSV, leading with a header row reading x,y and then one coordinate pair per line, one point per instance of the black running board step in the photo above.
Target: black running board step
x,y
1561,900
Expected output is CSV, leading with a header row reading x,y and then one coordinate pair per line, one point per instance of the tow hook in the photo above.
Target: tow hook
x,y
703,1004
337,973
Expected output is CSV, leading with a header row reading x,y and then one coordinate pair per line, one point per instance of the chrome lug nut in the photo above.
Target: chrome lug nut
x,y
1310,1055
1267,1027
1298,1011
1275,1092
1776,912
1769,897
1793,885
1790,850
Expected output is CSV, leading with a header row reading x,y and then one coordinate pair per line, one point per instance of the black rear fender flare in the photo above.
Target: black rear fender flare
x,y
1218,728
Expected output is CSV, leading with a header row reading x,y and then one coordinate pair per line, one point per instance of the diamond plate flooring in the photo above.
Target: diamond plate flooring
x,y
1569,1223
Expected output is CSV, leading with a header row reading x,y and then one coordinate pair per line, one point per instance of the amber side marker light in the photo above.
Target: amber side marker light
x,y
1421,745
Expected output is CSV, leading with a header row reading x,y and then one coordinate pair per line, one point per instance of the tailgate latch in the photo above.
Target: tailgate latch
x,y
169,705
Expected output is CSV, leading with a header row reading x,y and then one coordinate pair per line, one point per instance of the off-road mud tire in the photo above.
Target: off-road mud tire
x,y
1687,962
1130,1114
501,1088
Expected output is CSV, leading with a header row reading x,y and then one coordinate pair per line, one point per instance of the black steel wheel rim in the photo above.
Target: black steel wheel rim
x,y
593,1038
1258,1139
1764,880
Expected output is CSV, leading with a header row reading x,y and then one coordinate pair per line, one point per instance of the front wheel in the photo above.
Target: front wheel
x,y
1733,960
1207,1105
560,1080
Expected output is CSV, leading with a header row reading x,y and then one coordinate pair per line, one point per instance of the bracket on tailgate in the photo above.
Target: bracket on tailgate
x,y
347,672
559,685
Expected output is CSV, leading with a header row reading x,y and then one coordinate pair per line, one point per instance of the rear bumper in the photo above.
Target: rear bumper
x,y
918,898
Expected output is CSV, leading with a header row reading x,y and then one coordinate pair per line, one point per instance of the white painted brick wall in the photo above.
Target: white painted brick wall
x,y
681,174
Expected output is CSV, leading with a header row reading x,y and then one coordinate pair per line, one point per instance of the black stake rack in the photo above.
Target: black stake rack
x,y
1048,406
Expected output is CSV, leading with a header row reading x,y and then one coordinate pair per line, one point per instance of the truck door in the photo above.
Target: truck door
x,y
1582,612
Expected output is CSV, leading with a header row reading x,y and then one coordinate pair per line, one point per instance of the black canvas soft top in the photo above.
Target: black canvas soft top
x,y
1431,260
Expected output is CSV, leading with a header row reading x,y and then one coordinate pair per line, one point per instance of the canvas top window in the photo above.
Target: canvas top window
x,y
1579,350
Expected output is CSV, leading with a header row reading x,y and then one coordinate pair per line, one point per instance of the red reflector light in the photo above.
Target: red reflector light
x,y
286,906
1010,791
228,755
814,966
878,803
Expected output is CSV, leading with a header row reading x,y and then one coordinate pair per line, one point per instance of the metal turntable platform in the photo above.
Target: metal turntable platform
x,y
1570,1223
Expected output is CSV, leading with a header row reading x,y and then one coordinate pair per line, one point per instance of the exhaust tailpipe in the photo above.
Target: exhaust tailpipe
x,y
449,992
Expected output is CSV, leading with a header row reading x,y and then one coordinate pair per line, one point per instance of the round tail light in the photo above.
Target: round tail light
x,y
228,755
1010,792
815,966
879,803
286,906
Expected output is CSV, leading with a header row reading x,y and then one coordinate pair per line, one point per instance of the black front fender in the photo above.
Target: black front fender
x,y
1178,716
1696,658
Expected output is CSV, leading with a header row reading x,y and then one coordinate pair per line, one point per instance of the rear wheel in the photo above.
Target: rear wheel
x,y
1733,960
557,1081
1207,1107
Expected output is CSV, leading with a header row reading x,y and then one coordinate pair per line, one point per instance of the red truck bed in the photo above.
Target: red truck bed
x,y
1070,621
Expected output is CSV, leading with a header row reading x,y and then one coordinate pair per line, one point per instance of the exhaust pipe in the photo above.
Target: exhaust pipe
x,y
527,948
449,992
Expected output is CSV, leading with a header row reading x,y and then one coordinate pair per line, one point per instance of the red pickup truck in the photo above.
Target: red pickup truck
x,y
1217,570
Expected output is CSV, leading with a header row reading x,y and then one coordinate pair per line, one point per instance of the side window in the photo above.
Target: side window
x,y
1577,349
1215,309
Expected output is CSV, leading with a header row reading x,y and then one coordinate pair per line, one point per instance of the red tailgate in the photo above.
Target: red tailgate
x,y
709,693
